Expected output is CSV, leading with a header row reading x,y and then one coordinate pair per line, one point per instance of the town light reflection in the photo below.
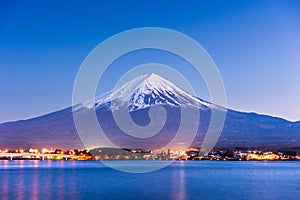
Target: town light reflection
x,y
29,182
179,186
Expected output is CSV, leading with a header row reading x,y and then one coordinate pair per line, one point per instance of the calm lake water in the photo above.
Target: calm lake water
x,y
181,180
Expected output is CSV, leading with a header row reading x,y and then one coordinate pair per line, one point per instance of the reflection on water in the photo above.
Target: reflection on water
x,y
37,180
22,180
178,183
35,186
4,186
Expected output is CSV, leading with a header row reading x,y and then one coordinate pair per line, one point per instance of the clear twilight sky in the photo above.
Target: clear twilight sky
x,y
255,44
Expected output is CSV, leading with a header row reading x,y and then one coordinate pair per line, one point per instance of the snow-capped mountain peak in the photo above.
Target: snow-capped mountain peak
x,y
147,90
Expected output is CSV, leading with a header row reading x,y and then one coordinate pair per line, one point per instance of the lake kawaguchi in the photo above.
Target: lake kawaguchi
x,y
181,180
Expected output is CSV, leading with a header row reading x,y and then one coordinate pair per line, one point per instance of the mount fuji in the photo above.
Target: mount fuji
x,y
138,96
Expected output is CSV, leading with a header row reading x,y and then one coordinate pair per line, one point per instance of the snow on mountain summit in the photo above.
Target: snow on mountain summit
x,y
147,90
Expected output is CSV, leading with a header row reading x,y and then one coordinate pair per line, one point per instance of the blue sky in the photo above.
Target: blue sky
x,y
255,45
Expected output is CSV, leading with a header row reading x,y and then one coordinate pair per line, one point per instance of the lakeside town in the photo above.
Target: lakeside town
x,y
139,154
